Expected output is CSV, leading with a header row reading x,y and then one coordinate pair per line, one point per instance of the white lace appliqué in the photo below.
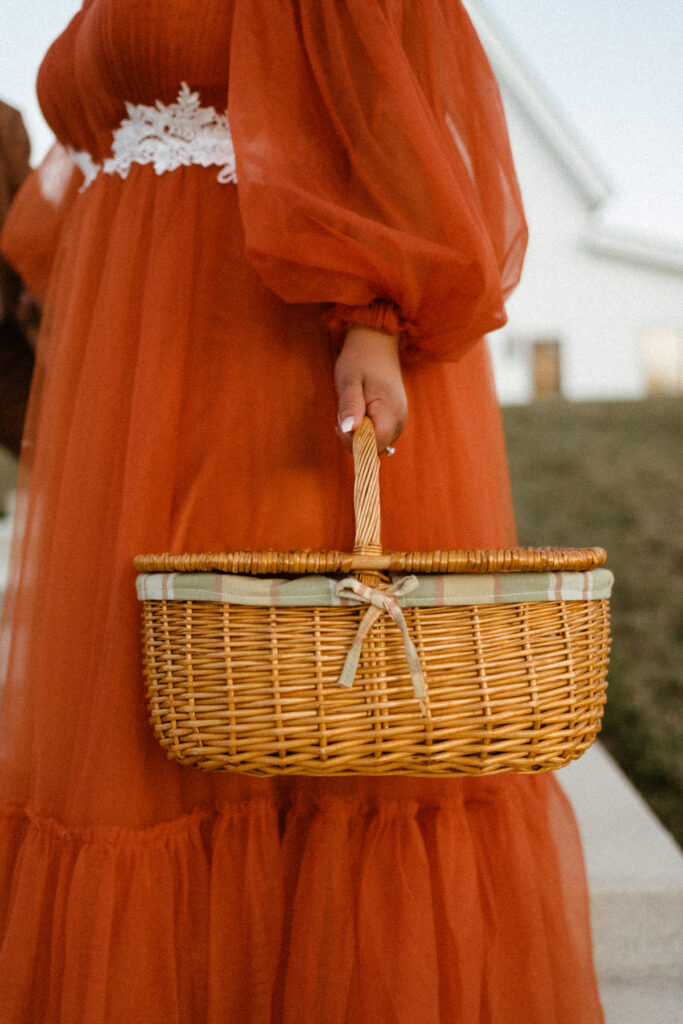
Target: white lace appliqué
x,y
167,137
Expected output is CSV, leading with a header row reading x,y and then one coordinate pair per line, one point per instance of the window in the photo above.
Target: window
x,y
546,369
662,351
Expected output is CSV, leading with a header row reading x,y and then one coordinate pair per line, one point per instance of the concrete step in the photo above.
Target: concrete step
x,y
653,1002
635,874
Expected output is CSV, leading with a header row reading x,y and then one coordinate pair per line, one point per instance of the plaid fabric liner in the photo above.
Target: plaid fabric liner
x,y
432,592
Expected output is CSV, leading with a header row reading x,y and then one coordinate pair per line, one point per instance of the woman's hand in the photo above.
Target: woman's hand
x,y
368,379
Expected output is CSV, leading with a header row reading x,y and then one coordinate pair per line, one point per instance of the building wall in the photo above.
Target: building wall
x,y
599,308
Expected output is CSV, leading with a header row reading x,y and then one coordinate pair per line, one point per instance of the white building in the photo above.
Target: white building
x,y
597,315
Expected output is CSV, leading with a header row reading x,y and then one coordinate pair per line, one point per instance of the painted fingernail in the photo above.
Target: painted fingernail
x,y
346,424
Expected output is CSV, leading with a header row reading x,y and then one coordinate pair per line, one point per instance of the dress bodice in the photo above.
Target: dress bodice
x,y
115,51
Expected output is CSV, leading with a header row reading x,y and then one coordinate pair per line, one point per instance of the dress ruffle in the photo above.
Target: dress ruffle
x,y
307,904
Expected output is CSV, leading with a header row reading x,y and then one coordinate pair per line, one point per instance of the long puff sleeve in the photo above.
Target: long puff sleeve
x,y
374,166
31,233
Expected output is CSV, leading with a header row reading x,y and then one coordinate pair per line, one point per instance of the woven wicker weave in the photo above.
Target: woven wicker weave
x,y
509,687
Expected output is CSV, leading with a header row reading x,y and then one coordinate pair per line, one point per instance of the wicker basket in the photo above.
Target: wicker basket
x,y
513,679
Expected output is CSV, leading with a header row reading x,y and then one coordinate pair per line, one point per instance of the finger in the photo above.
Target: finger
x,y
388,418
383,422
351,408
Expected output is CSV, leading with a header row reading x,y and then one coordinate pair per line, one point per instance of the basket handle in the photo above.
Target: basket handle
x,y
368,562
366,497
366,490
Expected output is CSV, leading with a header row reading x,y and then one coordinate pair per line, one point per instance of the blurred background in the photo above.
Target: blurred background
x,y
590,366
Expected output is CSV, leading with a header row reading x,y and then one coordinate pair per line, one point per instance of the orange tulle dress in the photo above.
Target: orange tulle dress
x,y
184,401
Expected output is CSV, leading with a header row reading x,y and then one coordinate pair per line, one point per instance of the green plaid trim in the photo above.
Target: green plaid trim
x,y
432,592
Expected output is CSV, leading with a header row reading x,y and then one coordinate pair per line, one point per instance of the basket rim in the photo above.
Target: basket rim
x,y
307,562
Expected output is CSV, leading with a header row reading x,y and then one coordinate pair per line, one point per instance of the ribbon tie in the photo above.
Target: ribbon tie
x,y
381,601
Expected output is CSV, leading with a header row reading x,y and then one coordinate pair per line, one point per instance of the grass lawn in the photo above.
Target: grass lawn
x,y
611,474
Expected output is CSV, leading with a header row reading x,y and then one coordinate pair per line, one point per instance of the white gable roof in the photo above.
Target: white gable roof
x,y
646,252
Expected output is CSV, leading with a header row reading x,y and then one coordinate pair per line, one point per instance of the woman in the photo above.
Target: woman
x,y
358,220
16,356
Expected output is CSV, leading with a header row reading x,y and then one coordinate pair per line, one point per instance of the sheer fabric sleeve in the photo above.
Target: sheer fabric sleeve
x,y
31,233
374,167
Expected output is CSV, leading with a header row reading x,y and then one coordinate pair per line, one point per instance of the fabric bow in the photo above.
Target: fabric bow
x,y
381,601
